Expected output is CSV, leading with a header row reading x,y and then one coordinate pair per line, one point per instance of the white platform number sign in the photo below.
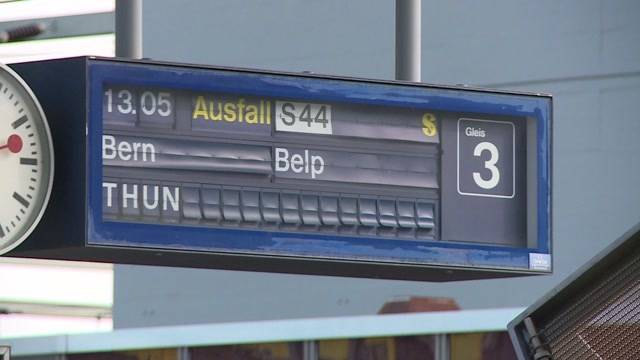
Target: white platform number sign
x,y
486,158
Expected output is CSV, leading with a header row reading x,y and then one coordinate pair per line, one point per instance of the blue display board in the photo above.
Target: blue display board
x,y
296,169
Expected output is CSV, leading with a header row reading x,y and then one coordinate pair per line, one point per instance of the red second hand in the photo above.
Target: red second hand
x,y
14,144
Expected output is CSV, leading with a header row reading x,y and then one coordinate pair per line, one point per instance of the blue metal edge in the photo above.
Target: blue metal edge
x,y
253,242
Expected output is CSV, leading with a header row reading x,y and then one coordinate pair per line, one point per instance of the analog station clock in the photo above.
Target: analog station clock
x,y
26,160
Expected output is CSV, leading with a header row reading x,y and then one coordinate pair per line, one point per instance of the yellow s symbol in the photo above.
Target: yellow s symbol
x,y
429,125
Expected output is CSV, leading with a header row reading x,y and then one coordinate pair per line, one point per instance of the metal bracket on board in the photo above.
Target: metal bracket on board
x,y
538,347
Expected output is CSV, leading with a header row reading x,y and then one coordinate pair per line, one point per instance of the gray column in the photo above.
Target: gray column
x,y
129,28
408,31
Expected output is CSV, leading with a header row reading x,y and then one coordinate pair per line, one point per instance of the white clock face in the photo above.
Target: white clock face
x,y
26,161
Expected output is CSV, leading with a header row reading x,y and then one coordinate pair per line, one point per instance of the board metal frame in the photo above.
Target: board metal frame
x,y
571,290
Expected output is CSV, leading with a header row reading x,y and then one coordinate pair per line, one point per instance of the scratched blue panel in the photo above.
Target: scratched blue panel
x,y
304,245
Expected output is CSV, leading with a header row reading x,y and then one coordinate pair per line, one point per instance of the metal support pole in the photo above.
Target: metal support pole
x,y
129,28
408,31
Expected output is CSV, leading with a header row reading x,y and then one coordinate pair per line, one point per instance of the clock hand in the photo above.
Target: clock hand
x,y
14,144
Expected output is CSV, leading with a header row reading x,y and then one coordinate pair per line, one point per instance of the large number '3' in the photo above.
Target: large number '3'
x,y
489,164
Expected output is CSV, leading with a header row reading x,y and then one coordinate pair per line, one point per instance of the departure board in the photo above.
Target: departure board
x,y
229,168
327,160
